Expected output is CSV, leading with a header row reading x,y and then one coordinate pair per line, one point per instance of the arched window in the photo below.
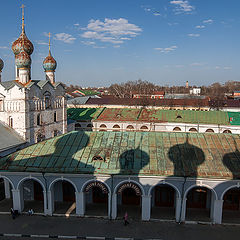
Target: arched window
x,y
39,119
89,125
103,126
78,126
177,129
130,128
227,131
55,117
210,130
193,130
116,128
47,99
143,128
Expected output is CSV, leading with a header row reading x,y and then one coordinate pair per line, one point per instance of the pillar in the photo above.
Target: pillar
x,y
45,201
80,203
183,209
146,207
7,188
114,206
109,205
217,211
50,208
178,209
18,202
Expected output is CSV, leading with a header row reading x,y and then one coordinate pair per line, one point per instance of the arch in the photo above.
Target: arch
x,y
209,130
103,126
89,125
31,178
62,179
92,180
177,129
164,183
227,131
202,185
193,130
131,181
116,126
229,188
143,127
130,127
10,181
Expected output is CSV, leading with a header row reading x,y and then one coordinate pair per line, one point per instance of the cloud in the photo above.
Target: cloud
x,y
196,64
3,47
65,37
166,50
76,24
209,21
227,68
114,31
156,14
40,42
182,6
200,26
194,35
88,43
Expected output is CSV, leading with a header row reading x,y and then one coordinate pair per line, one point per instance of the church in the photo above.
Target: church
x,y
176,176
35,109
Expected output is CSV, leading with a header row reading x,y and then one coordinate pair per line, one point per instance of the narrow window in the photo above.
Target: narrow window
x,y
55,116
10,122
38,119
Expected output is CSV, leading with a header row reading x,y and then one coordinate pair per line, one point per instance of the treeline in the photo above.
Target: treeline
x,y
214,91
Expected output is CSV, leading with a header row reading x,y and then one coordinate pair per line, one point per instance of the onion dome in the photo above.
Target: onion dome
x,y
22,43
1,64
22,60
49,63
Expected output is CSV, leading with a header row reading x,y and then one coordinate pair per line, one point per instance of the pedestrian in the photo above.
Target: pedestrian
x,y
126,219
30,212
12,213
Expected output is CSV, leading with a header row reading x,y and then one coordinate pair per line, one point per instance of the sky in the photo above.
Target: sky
x,y
100,42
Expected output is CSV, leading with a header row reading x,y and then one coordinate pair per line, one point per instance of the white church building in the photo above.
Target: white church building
x,y
35,109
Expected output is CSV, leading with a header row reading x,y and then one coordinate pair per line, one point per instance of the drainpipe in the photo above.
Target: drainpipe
x,y
183,187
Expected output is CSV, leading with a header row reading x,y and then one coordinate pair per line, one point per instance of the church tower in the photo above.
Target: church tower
x,y
22,49
50,65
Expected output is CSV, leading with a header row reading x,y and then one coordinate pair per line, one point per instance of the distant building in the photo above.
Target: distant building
x,y
195,91
154,95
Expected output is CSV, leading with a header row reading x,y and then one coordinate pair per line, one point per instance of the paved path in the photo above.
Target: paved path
x,y
92,227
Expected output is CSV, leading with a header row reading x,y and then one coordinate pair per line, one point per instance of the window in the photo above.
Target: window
x,y
98,158
193,130
78,126
47,99
103,128
10,122
1,105
55,117
143,128
209,130
177,129
227,131
116,128
40,137
55,133
39,119
130,128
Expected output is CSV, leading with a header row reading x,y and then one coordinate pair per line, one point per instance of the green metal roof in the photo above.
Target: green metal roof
x,y
234,118
156,115
83,114
139,153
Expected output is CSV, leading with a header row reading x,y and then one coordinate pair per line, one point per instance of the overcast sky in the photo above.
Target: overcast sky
x,y
100,42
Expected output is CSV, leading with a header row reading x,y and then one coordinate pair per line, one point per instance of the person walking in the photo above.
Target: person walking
x,y
126,219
